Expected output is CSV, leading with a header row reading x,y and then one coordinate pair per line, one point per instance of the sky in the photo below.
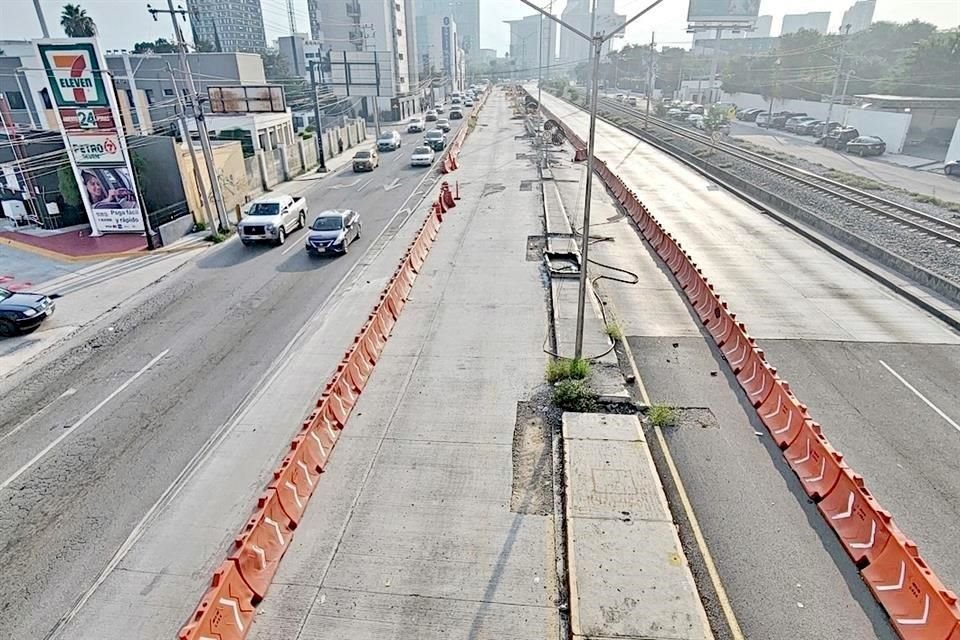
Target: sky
x,y
123,22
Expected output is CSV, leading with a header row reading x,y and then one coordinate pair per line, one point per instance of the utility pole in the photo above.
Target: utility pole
x,y
714,65
316,114
137,106
836,78
197,109
193,154
846,83
653,43
43,21
773,89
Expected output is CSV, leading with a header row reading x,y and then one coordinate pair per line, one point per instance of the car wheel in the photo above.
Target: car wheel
x,y
346,247
281,235
948,171
7,328
303,221
359,229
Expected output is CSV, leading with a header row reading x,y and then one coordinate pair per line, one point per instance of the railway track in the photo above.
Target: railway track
x,y
911,219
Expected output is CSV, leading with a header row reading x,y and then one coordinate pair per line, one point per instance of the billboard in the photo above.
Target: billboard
x,y
714,11
247,99
360,73
85,106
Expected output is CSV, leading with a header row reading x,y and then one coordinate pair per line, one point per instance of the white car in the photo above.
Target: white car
x,y
422,157
415,125
468,102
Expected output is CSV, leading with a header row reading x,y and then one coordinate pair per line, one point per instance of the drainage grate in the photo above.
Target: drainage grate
x,y
526,185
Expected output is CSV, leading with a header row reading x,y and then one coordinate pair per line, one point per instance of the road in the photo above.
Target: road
x,y
874,370
92,434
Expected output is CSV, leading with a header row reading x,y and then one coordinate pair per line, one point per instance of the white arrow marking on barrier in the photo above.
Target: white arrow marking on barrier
x,y
261,555
806,457
742,358
235,607
777,410
848,512
899,585
868,544
787,428
823,467
306,472
736,345
319,442
393,185
276,528
752,375
296,496
330,432
915,621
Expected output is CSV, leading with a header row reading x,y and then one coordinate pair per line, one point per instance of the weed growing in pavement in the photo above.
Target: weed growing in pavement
x,y
852,180
574,395
943,204
613,331
662,415
199,226
216,238
567,369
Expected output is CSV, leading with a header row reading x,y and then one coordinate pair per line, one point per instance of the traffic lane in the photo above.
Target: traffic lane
x,y
62,520
780,564
893,411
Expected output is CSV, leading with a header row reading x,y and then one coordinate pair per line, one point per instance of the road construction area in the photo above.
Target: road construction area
x,y
395,442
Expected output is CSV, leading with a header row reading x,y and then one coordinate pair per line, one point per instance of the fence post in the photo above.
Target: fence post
x,y
264,175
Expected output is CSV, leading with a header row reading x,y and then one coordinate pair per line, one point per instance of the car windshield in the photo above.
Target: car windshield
x,y
387,137
264,209
421,151
362,155
434,134
327,223
4,294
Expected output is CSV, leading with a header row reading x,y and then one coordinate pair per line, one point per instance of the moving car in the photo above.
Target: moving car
x,y
436,139
271,219
952,168
439,108
430,116
444,125
365,161
332,232
415,125
867,146
389,141
456,114
468,102
422,157
22,311
796,121
839,138
456,100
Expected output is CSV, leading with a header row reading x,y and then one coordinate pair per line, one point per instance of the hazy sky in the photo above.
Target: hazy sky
x,y
123,22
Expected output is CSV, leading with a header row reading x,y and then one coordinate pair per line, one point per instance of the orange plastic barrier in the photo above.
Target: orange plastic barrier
x,y
816,463
757,378
861,524
919,605
782,414
295,480
226,610
262,543
722,320
738,348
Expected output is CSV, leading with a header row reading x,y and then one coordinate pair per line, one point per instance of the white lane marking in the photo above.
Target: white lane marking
x,y
940,413
293,245
345,186
393,185
365,184
65,394
79,423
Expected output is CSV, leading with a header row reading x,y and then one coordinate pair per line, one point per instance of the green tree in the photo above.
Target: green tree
x,y
76,23
67,183
160,45
931,68
204,46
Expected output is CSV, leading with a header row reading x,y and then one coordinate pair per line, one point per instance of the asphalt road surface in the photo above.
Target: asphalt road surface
x,y
92,432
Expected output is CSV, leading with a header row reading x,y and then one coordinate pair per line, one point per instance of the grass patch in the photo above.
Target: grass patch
x,y
574,395
662,415
567,369
216,238
613,331
855,181
934,200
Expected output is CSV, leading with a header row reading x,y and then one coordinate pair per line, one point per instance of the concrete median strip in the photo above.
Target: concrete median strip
x,y
918,604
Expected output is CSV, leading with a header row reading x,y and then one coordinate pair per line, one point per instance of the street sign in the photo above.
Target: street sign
x,y
96,148
247,99
713,11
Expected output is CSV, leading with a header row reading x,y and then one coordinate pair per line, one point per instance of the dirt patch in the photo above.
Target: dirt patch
x,y
532,492
536,245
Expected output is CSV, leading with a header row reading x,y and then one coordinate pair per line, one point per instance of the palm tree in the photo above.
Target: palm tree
x,y
76,23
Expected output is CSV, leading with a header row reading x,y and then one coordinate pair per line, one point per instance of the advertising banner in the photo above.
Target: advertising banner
x,y
719,11
85,105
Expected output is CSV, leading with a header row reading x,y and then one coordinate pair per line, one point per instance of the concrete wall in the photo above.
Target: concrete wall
x,y
161,186
230,167
892,127
815,109
953,151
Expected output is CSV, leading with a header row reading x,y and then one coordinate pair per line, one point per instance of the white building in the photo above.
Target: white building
x,y
814,21
443,58
762,27
525,34
299,52
574,49
859,16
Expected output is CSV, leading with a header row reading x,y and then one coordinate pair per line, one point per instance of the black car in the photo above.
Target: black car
x,y
750,115
839,138
20,311
867,146
779,120
435,139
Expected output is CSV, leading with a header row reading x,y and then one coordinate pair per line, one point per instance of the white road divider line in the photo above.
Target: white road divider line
x,y
79,423
926,401
69,392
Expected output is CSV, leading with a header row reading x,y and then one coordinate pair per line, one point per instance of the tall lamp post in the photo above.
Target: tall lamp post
x,y
596,40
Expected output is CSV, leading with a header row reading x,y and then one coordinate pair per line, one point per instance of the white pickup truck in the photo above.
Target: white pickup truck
x,y
272,218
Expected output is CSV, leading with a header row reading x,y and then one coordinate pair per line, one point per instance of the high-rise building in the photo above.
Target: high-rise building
x,y
762,27
859,16
573,48
228,25
813,21
466,13
524,51
442,60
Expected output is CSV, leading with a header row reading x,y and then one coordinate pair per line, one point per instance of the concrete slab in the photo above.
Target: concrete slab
x,y
628,574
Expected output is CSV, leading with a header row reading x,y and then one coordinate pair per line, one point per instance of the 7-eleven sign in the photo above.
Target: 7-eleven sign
x,y
74,74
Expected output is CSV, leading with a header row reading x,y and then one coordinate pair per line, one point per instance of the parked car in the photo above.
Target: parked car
x,y
444,125
696,120
415,125
389,141
422,157
430,116
762,118
436,139
632,101
952,168
807,128
620,97
796,121
22,311
365,161
752,114
839,138
333,232
696,109
271,219
826,129
867,146
456,114
779,120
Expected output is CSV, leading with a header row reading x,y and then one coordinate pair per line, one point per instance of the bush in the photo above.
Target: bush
x,y
613,330
574,395
662,415
199,226
567,369
216,238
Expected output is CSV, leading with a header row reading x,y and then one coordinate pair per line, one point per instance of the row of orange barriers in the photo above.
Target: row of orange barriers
x,y
920,607
450,160
228,607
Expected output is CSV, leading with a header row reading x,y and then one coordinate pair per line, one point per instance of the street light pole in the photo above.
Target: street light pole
x,y
316,114
836,78
193,154
43,21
